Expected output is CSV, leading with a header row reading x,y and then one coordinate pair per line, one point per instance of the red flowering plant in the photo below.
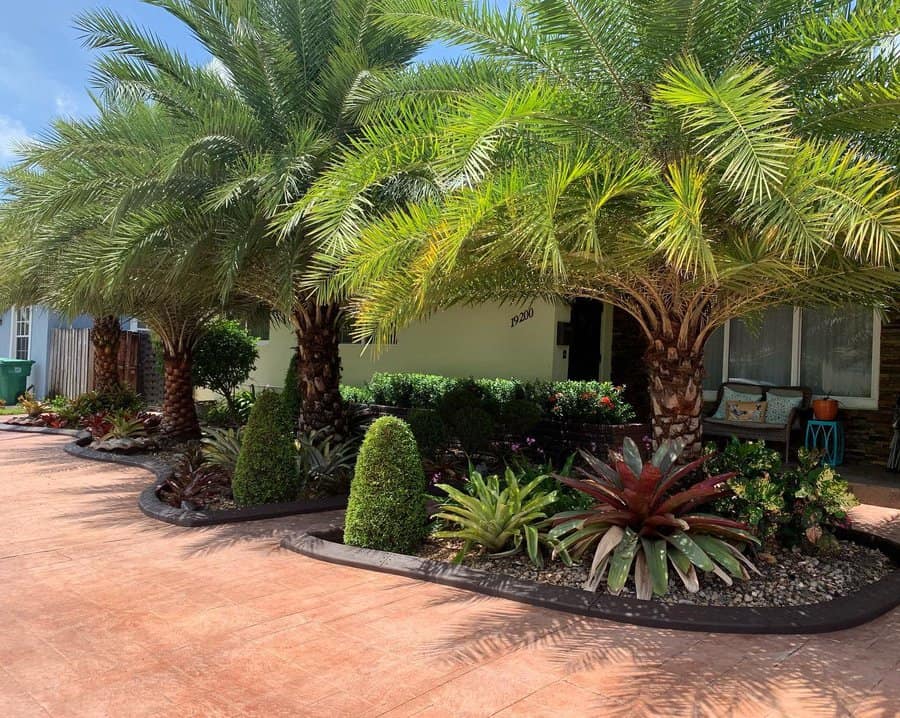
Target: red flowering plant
x,y
592,402
643,519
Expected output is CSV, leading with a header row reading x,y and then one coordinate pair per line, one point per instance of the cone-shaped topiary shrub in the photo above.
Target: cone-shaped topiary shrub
x,y
386,510
266,470
290,395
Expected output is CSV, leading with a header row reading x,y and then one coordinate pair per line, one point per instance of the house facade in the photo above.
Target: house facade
x,y
852,355
25,333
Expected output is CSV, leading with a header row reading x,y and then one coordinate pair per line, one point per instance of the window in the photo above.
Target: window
x,y
834,352
136,325
21,340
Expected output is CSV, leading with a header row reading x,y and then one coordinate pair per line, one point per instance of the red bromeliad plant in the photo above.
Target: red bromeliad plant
x,y
644,518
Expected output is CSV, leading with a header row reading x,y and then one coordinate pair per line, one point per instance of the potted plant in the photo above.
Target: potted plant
x,y
825,409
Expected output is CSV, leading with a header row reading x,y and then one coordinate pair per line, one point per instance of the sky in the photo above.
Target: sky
x,y
45,68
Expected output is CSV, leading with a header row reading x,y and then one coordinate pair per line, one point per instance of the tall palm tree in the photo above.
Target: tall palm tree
x,y
685,162
266,117
92,237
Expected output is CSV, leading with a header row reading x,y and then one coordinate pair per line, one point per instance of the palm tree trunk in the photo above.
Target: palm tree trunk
x,y
319,368
180,420
676,395
105,337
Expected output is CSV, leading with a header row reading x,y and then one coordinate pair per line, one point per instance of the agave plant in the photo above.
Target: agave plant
x,y
326,462
123,425
644,518
221,448
500,516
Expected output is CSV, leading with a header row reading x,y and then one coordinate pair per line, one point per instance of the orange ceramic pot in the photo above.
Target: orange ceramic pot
x,y
825,409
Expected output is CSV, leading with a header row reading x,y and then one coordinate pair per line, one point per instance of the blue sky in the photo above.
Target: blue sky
x,y
45,70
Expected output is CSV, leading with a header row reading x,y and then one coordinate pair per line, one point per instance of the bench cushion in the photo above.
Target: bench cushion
x,y
724,426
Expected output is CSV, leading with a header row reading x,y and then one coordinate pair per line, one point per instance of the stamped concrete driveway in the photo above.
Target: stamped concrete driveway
x,y
108,613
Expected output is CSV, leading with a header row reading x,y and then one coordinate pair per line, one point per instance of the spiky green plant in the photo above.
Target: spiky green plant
x,y
644,520
499,515
221,447
123,425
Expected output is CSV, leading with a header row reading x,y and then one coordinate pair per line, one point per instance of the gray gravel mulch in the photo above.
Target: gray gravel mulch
x,y
792,579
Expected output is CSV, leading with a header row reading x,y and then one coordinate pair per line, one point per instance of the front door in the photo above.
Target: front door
x,y
585,343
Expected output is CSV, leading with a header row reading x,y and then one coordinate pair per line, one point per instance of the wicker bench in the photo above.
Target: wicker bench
x,y
778,433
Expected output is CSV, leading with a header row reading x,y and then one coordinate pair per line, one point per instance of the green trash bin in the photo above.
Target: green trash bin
x,y
14,378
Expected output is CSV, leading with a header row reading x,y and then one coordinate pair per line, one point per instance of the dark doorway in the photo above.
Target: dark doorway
x,y
584,347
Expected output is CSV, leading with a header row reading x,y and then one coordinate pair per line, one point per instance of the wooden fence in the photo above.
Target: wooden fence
x,y
71,361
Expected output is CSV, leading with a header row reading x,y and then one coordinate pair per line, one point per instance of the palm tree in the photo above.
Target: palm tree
x,y
94,240
267,116
685,162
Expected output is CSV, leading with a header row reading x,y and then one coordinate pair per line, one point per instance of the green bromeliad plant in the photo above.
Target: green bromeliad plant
x,y
644,520
500,515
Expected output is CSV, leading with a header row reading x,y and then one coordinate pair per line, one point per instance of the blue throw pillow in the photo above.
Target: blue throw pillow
x,y
780,407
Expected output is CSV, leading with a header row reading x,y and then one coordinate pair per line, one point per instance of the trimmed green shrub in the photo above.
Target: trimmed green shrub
x,y
430,431
474,428
290,394
580,401
95,402
467,394
266,471
409,390
386,509
519,416
356,394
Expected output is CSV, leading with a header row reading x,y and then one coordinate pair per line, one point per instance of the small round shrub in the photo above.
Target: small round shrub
x,y
474,428
466,394
520,416
224,358
266,470
430,431
290,394
386,509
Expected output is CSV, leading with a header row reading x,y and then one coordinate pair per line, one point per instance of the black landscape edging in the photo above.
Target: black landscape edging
x,y
154,507
77,433
838,614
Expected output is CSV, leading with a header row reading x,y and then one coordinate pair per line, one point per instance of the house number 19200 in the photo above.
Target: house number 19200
x,y
521,317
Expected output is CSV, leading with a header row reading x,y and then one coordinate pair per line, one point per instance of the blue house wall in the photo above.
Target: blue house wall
x,y
43,321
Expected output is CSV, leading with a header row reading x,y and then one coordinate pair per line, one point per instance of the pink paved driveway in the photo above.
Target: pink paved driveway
x,y
108,613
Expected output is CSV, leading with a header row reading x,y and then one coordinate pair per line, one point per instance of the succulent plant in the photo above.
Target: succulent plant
x,y
500,515
644,520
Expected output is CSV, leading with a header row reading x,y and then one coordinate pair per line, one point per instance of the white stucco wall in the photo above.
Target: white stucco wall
x,y
466,341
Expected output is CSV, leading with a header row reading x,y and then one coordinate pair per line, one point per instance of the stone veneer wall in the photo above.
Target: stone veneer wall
x,y
627,362
151,384
869,432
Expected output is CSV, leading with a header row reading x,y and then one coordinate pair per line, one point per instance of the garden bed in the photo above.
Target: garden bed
x,y
862,604
789,577
153,506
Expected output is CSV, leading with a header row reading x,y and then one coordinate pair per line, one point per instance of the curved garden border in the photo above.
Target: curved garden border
x,y
844,612
151,505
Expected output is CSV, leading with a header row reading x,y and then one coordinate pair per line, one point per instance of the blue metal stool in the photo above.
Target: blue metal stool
x,y
828,436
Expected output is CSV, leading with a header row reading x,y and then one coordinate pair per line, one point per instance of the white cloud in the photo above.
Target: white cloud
x,y
12,132
217,67
65,104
